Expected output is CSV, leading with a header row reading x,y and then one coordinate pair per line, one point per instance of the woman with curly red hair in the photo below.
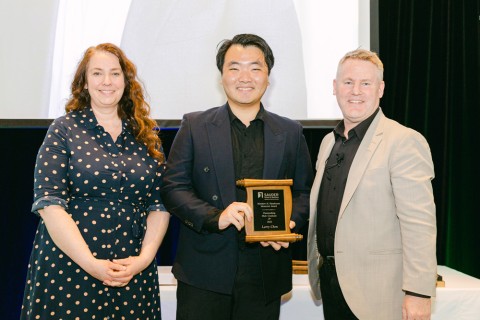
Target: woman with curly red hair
x,y
97,179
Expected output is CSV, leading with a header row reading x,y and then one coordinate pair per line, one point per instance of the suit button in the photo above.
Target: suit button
x,y
214,197
206,169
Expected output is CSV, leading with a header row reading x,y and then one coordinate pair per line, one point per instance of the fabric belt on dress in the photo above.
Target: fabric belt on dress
x,y
139,220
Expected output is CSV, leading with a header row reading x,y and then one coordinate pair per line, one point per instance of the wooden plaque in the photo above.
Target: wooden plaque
x,y
271,201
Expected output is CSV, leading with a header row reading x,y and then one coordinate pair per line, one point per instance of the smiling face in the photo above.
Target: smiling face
x,y
358,88
244,76
105,80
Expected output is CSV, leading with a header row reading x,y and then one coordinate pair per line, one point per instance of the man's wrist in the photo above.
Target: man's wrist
x,y
211,222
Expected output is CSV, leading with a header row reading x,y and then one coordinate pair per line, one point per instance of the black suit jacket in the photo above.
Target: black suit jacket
x,y
200,177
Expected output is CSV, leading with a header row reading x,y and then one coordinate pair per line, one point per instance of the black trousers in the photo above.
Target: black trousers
x,y
247,300
334,305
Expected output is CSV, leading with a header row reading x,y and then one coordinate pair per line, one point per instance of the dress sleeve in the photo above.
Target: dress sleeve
x,y
51,169
154,200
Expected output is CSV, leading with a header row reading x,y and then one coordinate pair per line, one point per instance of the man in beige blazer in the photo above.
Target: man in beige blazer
x,y
372,231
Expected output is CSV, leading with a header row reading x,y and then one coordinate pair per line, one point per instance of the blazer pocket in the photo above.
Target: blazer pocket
x,y
386,251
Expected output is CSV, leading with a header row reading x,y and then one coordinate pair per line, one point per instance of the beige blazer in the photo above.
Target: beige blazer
x,y
385,239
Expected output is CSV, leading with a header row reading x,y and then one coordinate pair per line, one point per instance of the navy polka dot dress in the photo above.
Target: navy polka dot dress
x,y
108,188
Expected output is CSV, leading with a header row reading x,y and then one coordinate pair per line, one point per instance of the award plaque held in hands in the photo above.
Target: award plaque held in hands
x,y
271,201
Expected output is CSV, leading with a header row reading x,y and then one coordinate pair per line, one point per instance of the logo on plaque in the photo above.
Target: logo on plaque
x,y
271,201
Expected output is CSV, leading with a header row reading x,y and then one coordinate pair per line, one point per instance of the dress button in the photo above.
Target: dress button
x,y
206,169
214,197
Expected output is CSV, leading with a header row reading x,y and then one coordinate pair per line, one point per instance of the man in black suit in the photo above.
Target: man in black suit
x,y
219,275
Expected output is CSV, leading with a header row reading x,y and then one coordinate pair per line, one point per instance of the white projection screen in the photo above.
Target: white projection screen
x,y
173,44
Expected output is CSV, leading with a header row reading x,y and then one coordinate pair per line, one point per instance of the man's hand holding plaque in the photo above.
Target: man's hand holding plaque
x,y
271,201
235,214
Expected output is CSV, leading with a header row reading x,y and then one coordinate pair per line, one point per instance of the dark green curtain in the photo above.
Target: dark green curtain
x,y
430,51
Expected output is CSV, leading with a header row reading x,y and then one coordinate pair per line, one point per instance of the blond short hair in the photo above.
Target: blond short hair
x,y
365,55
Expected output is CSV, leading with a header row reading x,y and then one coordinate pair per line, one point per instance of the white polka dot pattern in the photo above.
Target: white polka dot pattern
x,y
108,188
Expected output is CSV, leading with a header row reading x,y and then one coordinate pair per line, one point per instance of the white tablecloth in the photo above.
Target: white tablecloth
x,y
458,300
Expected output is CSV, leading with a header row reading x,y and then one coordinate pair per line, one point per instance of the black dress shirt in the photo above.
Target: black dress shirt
x,y
334,180
247,145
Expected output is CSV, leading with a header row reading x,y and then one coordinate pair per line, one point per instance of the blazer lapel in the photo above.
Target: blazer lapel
x,y
367,148
220,143
320,168
274,148
324,152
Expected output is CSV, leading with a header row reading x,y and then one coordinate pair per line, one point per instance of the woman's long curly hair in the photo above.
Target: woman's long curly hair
x,y
131,107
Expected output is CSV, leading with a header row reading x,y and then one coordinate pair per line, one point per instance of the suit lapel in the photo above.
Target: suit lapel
x,y
220,143
274,148
367,148
323,155
324,152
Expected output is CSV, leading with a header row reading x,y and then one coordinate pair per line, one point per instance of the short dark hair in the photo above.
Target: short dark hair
x,y
245,40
